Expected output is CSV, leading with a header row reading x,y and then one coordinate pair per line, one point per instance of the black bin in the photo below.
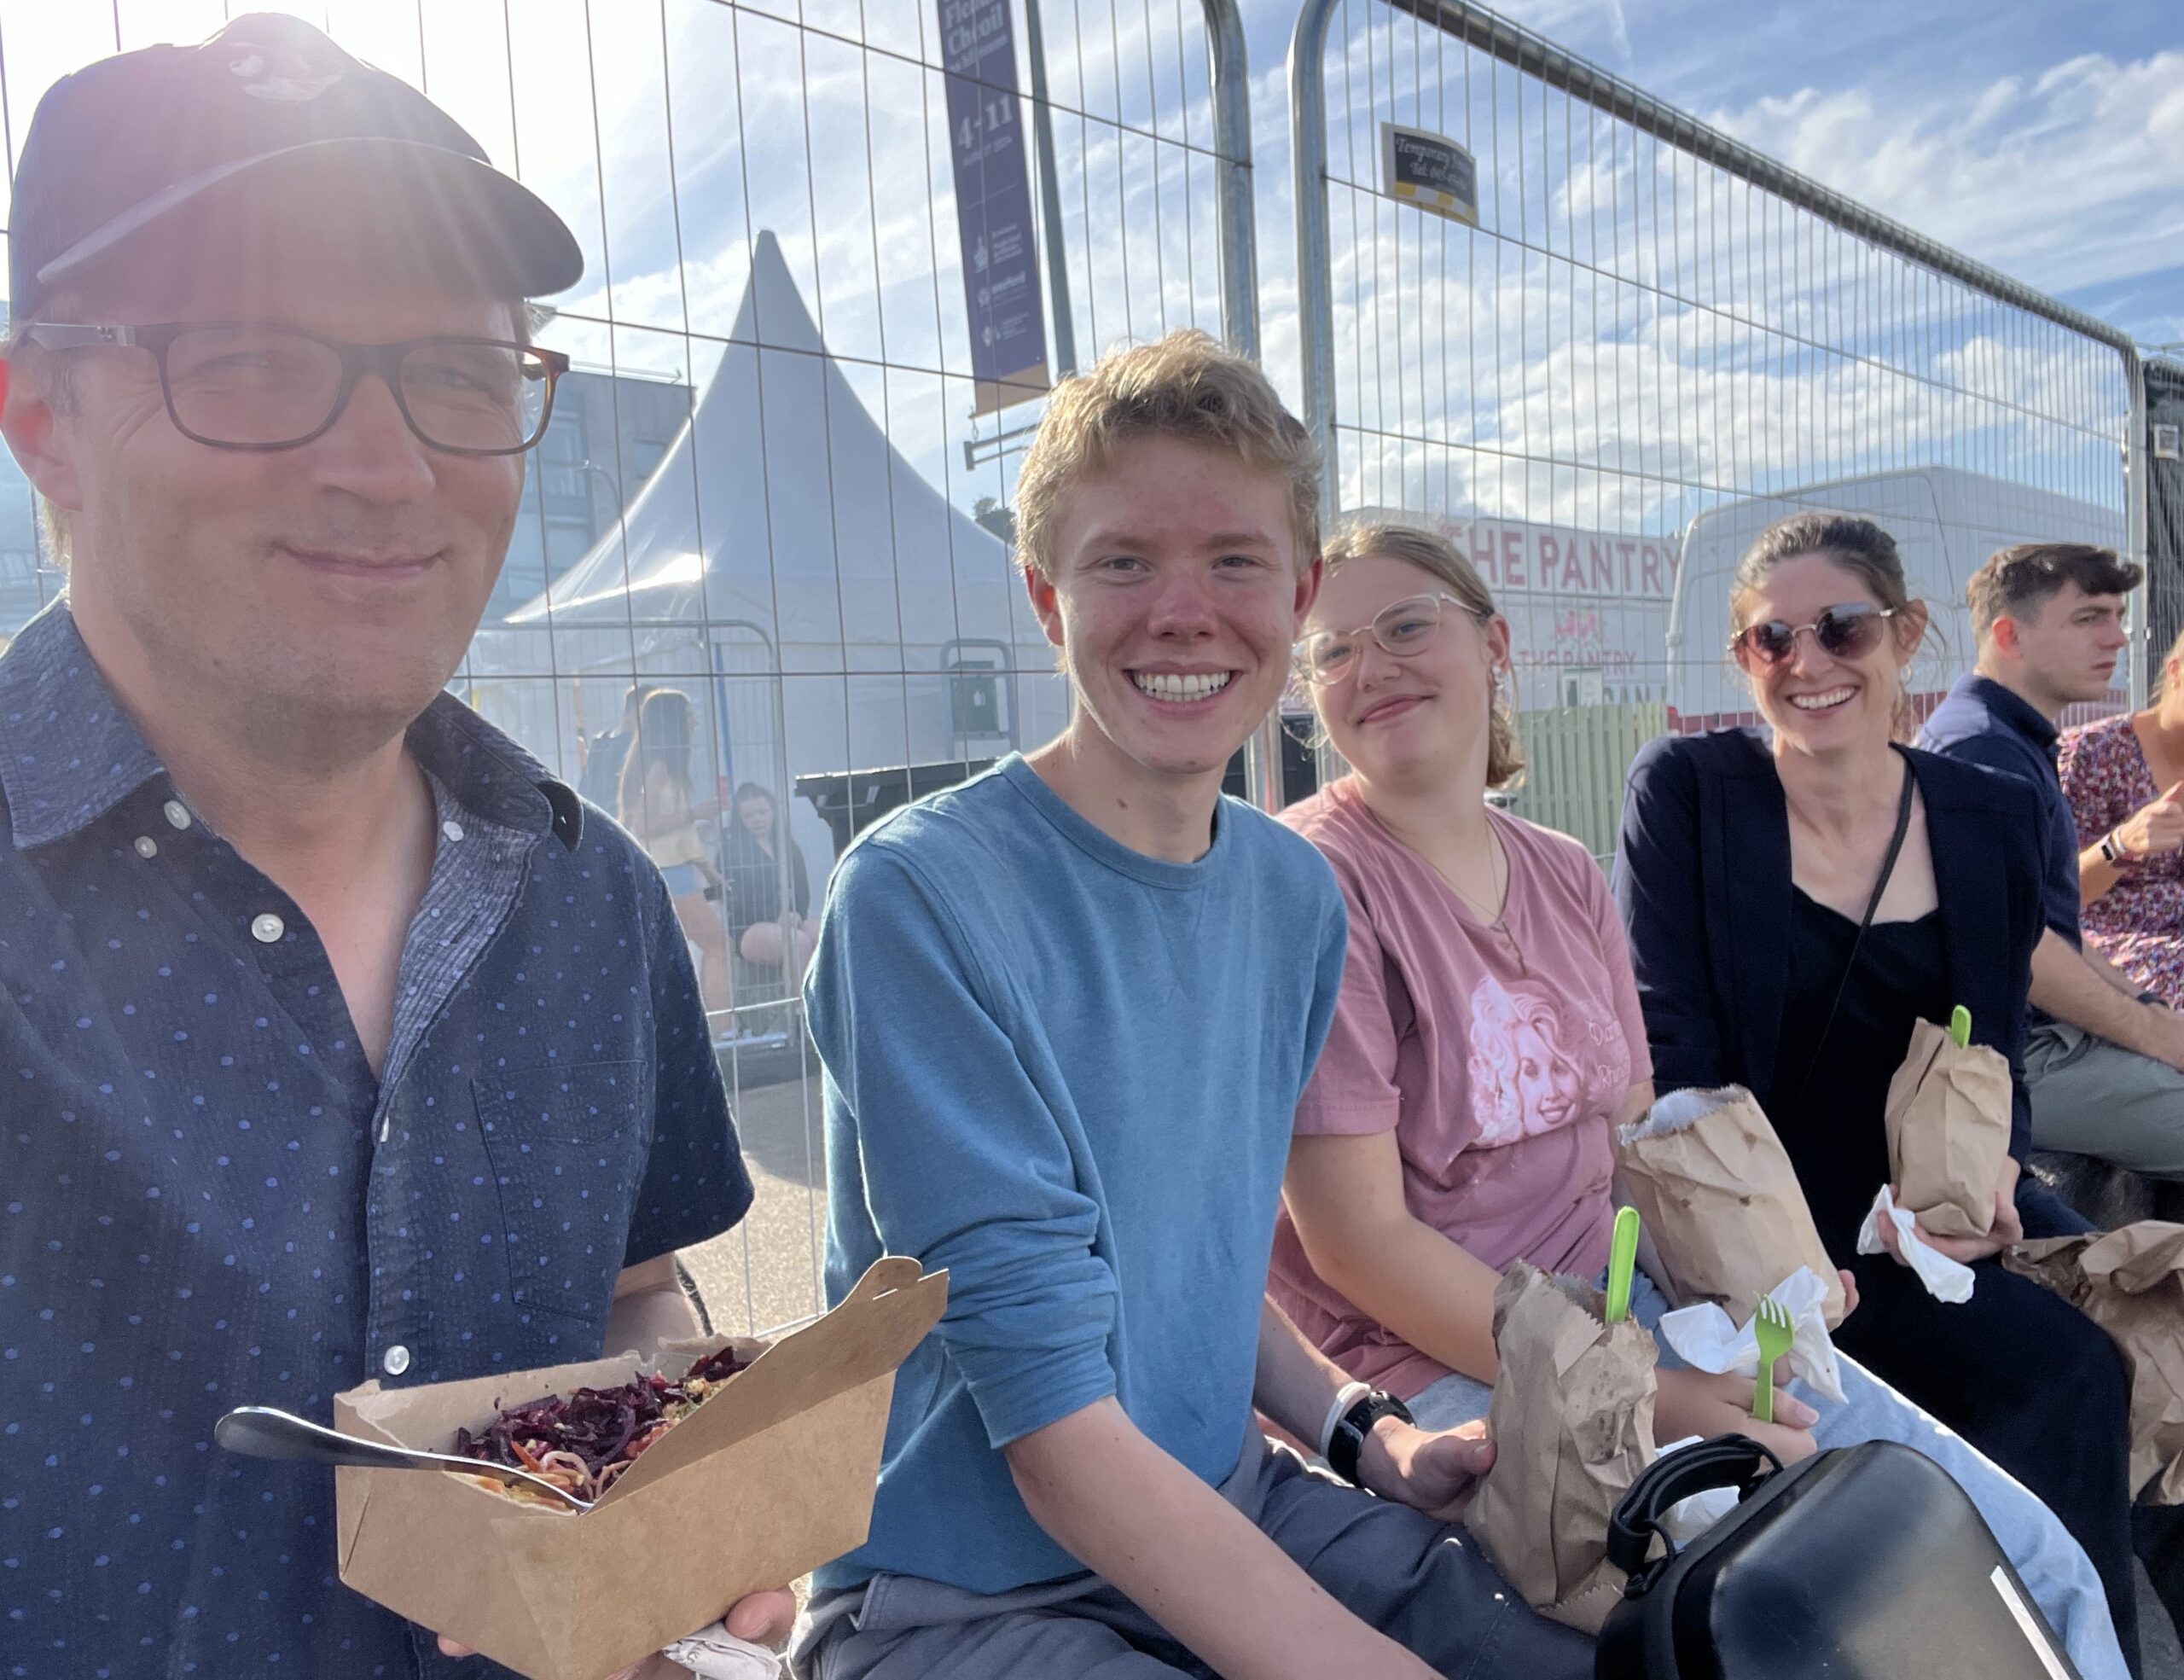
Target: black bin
x,y
852,802
1300,766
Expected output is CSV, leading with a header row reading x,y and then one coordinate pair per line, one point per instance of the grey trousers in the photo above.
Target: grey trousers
x,y
2093,1097
1421,1582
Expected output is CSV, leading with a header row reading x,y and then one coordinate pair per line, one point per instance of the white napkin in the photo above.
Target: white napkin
x,y
715,1653
1706,1339
1945,1278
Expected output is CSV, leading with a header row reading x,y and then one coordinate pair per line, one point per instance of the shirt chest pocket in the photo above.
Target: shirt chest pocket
x,y
568,1148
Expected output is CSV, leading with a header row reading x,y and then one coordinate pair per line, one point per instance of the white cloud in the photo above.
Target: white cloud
x,y
2073,177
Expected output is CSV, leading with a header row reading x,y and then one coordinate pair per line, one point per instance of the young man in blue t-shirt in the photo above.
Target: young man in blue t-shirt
x,y
1067,1011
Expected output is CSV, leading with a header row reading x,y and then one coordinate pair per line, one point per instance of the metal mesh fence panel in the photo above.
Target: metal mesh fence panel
x,y
2165,555
1640,345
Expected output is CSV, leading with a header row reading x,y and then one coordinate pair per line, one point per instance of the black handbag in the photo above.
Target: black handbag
x,y
1865,1562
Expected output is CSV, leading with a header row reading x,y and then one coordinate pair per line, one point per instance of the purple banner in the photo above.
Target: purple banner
x,y
993,202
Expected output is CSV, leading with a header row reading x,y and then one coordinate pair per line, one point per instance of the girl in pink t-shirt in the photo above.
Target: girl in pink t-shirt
x,y
1488,1033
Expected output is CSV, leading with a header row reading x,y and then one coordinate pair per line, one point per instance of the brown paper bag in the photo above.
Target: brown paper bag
x,y
1572,1421
2130,1282
1723,1206
1948,1130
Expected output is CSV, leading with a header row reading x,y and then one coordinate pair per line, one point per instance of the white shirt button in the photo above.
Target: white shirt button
x,y
452,829
147,847
395,1360
177,814
268,928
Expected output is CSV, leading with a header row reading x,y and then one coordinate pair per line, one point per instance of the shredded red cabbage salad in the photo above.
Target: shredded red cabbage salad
x,y
583,1441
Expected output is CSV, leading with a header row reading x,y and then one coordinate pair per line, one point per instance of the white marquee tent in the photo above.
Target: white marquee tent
x,y
784,550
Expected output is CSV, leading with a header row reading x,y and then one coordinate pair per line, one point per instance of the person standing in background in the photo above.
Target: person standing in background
x,y
657,802
757,848
601,781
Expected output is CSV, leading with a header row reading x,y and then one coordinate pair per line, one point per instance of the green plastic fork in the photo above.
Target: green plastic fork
x,y
1622,1258
1771,1324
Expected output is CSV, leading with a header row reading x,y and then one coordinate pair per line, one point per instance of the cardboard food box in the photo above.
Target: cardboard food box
x,y
772,1477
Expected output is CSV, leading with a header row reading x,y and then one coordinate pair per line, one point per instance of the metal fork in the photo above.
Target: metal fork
x,y
262,1431
1770,1322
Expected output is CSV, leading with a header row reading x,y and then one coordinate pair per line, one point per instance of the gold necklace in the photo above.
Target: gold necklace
x,y
1498,871
1497,867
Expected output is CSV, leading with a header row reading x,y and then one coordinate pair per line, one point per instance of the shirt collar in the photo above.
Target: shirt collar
x,y
2008,707
73,754
493,776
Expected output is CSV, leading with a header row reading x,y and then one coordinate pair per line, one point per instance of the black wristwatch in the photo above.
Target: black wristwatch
x,y
1348,1440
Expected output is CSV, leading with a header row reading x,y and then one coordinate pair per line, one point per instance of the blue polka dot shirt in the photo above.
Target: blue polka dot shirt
x,y
206,1199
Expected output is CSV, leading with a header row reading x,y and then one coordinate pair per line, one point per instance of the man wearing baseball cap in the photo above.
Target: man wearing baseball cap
x,y
339,1040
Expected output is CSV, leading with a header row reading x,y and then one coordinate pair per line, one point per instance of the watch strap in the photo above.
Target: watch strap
x,y
1347,1440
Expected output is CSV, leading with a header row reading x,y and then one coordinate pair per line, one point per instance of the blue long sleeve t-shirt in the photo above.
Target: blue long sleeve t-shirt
x,y
1065,1071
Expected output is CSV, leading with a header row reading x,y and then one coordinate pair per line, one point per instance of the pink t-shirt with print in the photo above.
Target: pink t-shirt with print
x,y
1498,1056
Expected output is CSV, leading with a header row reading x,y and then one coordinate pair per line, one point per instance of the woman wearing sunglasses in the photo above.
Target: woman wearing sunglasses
x,y
1795,900
1487,1034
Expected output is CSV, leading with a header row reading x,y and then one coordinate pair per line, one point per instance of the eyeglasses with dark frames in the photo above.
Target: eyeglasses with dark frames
x,y
1848,630
1400,629
253,385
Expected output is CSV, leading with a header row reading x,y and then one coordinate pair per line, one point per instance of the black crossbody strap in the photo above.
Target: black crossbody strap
x,y
1881,887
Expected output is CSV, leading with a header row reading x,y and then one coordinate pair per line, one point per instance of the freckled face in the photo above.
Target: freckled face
x,y
1175,599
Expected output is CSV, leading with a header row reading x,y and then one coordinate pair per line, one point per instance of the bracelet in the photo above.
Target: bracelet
x,y
1348,1396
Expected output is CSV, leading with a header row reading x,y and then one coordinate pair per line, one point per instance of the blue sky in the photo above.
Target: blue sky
x,y
2045,140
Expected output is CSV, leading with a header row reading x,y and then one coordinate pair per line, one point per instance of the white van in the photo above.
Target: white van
x,y
1946,523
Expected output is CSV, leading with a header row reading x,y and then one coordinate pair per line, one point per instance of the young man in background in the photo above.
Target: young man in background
x,y
2104,1065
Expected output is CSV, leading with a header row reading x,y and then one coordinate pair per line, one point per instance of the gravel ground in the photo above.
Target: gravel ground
x,y
765,1273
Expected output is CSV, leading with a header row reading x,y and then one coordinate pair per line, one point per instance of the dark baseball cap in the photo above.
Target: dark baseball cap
x,y
157,143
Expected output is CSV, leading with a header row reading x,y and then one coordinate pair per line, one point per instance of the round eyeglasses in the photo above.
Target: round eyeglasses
x,y
1324,658
1848,630
246,385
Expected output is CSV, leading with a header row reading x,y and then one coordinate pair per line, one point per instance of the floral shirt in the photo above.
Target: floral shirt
x,y
2137,924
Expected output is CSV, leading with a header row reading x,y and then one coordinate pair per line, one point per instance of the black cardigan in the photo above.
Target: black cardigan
x,y
1702,876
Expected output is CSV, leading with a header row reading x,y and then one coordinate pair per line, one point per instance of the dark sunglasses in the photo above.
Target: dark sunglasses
x,y
1847,632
